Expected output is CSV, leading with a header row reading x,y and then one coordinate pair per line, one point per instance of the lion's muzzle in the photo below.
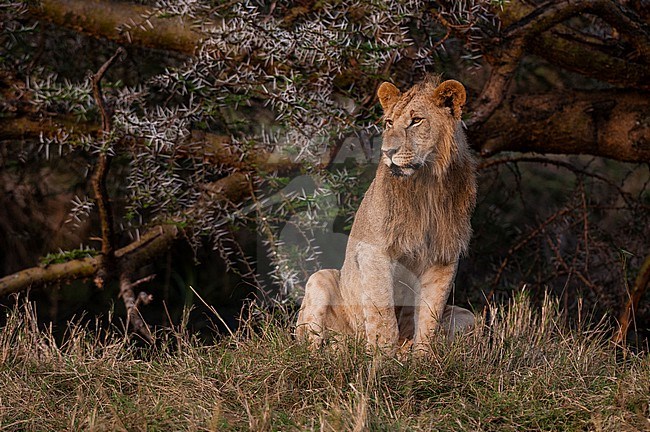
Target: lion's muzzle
x,y
400,163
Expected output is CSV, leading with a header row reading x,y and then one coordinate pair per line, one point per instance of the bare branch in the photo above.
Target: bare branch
x,y
558,163
131,303
570,269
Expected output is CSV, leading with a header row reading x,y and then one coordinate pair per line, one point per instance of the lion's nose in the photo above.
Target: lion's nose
x,y
390,152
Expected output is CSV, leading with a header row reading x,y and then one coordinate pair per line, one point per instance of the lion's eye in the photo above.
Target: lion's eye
x,y
415,121
388,123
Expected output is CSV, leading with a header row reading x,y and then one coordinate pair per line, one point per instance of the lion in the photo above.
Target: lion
x,y
411,227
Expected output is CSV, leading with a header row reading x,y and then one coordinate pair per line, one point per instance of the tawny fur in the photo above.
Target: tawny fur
x,y
409,231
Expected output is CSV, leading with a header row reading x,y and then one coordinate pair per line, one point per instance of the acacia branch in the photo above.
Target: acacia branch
x,y
148,247
107,19
51,274
208,147
99,178
142,251
31,127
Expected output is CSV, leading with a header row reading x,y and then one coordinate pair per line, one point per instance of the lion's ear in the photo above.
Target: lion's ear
x,y
450,94
388,95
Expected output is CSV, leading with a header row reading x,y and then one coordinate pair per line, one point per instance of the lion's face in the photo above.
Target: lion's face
x,y
419,125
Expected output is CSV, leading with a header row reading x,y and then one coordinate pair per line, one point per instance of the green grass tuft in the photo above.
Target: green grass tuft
x,y
527,372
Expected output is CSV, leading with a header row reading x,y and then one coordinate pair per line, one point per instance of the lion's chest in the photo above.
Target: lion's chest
x,y
401,226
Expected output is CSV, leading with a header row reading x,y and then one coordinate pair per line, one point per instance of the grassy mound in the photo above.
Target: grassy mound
x,y
527,372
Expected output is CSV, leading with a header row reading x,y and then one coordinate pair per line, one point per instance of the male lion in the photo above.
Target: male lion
x,y
409,231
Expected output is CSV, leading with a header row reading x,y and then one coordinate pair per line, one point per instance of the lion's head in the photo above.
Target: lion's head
x,y
420,125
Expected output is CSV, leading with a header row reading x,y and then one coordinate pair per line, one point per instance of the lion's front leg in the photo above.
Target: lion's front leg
x,y
322,308
430,301
377,298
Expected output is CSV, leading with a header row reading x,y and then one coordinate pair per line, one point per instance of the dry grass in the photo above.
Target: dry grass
x,y
526,373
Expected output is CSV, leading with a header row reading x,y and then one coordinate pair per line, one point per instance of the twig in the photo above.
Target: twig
x,y
97,90
634,297
268,17
131,303
524,242
570,269
334,151
558,163
585,224
99,177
